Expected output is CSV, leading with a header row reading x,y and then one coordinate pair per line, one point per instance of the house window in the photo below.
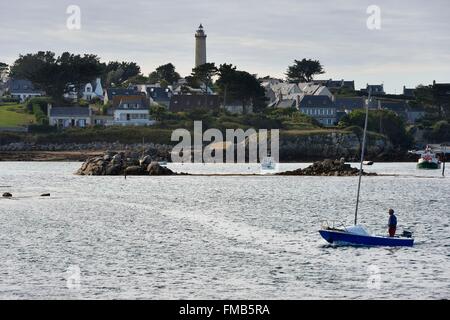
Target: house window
x,y
81,123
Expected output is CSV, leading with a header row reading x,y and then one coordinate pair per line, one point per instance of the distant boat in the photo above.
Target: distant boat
x,y
367,163
268,163
356,234
427,160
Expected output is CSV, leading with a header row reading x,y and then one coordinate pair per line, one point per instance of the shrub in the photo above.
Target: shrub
x,y
41,117
42,102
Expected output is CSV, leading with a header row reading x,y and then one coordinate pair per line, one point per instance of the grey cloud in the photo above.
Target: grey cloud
x,y
259,36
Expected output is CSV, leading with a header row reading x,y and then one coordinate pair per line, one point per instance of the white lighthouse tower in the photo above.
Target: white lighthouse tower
x,y
200,47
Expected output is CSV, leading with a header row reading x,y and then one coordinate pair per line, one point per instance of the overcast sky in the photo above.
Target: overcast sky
x,y
259,36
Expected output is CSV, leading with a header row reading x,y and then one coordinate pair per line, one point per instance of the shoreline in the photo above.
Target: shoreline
x,y
54,156
83,155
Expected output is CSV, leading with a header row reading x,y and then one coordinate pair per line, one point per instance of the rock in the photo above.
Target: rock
x,y
45,195
117,158
326,168
113,170
155,169
145,161
7,195
134,171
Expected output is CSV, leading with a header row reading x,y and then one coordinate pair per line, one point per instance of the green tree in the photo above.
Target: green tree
x,y
158,112
382,121
304,70
227,72
440,132
54,74
165,72
242,86
117,73
204,74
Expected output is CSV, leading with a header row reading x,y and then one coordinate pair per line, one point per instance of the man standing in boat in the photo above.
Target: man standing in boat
x,y
392,224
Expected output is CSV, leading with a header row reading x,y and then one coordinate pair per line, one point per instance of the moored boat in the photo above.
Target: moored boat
x,y
428,159
268,163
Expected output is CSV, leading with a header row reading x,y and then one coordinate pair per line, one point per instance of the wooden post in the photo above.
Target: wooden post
x,y
443,160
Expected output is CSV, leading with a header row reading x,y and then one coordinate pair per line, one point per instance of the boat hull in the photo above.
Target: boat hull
x,y
345,238
427,165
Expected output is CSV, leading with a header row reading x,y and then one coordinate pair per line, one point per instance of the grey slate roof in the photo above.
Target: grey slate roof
x,y
316,102
184,102
112,92
336,84
21,86
350,103
158,94
286,103
69,112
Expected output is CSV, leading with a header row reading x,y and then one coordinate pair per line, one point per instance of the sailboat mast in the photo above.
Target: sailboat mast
x,y
363,147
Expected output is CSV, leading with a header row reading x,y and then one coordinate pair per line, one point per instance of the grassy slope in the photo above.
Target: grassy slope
x,y
14,115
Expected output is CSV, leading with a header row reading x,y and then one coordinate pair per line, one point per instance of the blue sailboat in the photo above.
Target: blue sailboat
x,y
357,235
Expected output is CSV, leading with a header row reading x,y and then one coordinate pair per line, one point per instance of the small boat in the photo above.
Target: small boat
x,y
368,163
357,235
268,163
428,160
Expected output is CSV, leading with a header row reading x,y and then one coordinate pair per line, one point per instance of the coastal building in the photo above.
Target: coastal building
x,y
409,92
278,93
92,90
442,95
375,89
189,102
110,93
289,95
312,89
68,116
320,108
131,110
22,89
348,104
336,85
200,46
159,96
101,119
237,107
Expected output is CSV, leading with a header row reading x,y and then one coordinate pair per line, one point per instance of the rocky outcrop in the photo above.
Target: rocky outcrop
x,y
114,164
334,145
7,195
326,168
158,152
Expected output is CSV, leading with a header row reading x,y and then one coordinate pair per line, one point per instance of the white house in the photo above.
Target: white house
x,y
22,89
320,108
92,90
87,91
312,89
131,111
64,117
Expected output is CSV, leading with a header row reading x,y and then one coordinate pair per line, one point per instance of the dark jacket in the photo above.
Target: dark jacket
x,y
392,221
